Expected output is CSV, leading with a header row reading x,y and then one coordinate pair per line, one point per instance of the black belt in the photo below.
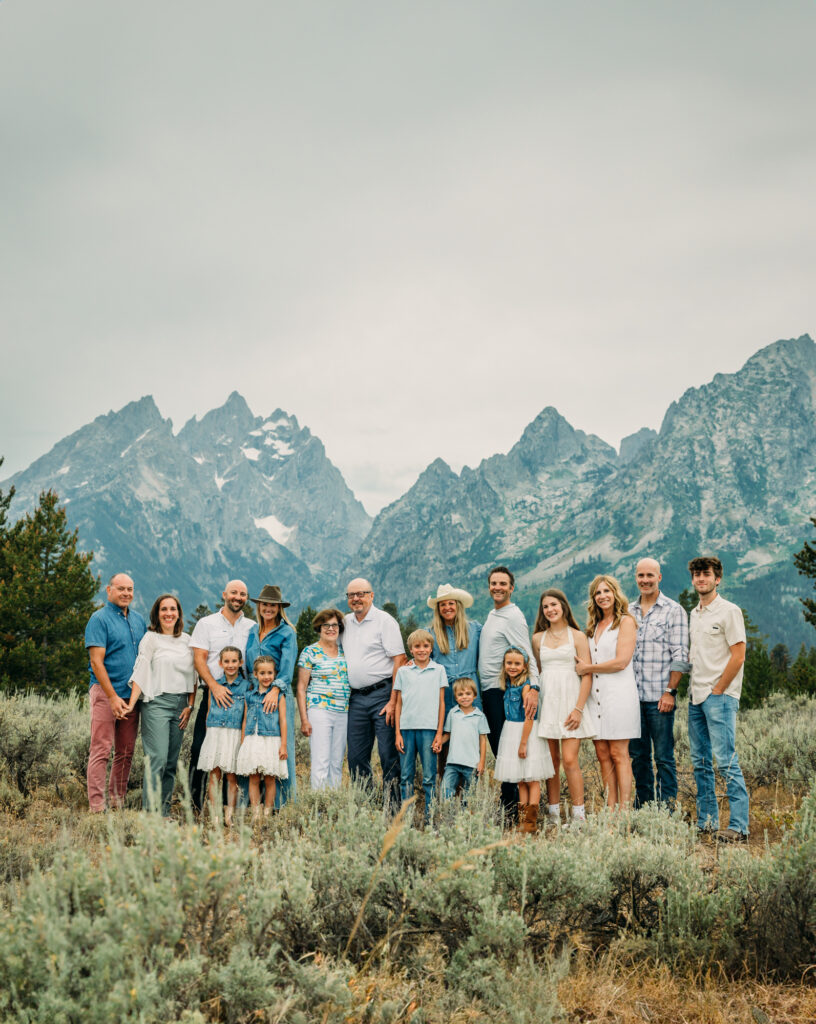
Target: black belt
x,y
365,690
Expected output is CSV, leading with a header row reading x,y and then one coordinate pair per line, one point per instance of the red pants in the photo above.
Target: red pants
x,y
108,732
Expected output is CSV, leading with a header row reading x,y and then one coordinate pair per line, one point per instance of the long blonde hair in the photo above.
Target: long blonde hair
x,y
461,632
594,614
524,678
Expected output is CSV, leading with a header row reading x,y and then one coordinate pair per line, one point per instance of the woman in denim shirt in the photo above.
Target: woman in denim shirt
x,y
275,636
219,751
456,646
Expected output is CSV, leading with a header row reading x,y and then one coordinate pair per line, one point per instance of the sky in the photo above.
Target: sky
x,y
411,224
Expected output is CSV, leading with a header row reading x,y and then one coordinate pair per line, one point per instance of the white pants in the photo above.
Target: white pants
x,y
328,745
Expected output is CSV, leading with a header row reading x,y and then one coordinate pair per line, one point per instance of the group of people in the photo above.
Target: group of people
x,y
463,684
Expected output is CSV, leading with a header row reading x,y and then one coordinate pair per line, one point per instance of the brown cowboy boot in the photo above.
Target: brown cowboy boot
x,y
530,824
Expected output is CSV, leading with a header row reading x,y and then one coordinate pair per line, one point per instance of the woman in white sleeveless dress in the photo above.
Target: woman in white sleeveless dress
x,y
557,641
613,700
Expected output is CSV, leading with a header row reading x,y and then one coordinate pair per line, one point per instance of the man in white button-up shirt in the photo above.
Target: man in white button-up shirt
x,y
372,644
717,655
228,627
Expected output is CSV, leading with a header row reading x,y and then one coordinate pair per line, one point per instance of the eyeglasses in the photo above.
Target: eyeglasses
x,y
358,593
330,625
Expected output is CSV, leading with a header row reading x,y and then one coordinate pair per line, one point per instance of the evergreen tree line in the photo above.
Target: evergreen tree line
x,y
47,595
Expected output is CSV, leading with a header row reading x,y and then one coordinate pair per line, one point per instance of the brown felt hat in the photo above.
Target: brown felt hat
x,y
271,595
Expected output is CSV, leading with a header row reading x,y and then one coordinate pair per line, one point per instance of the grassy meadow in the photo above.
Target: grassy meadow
x,y
328,913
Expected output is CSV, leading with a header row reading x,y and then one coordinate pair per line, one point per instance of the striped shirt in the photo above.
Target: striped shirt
x,y
662,646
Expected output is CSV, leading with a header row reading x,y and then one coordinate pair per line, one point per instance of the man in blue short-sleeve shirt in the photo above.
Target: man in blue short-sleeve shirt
x,y
112,638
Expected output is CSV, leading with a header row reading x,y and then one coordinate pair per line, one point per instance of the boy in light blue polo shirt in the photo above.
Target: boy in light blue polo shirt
x,y
466,727
418,718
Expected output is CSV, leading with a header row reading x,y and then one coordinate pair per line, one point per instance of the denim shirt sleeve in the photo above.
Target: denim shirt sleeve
x,y
288,655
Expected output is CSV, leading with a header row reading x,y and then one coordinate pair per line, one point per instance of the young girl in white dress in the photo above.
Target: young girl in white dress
x,y
219,751
556,643
522,756
263,739
613,699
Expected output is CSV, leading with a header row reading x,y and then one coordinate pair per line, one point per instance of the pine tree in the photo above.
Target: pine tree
x,y
805,562
46,597
305,631
201,612
758,675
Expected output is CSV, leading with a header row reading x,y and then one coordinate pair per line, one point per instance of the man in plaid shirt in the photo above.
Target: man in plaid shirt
x,y
660,659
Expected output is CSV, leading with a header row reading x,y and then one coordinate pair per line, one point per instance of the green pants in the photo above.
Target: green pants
x,y
161,740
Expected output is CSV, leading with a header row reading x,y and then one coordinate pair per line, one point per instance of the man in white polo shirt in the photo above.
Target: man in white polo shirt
x,y
372,644
228,627
717,655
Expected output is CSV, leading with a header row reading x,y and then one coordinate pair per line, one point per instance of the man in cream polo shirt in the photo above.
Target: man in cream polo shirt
x,y
717,655
372,644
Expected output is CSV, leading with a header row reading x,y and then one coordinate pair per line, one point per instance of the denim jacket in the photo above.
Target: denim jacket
x,y
514,704
258,721
233,716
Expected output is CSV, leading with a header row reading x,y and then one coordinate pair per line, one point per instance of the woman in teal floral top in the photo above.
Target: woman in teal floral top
x,y
323,699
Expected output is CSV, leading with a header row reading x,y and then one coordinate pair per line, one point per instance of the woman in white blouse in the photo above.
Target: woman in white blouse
x,y
164,678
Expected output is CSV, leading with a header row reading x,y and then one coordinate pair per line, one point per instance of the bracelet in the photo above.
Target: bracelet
x,y
579,710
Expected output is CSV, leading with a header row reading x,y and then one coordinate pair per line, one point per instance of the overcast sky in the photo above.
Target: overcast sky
x,y
413,225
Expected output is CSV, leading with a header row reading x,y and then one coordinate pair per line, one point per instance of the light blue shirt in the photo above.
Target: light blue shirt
x,y
460,664
420,695
465,731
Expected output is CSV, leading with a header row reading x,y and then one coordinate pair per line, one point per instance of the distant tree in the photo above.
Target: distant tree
x,y
407,627
688,599
46,597
201,612
780,659
805,562
802,673
758,675
306,633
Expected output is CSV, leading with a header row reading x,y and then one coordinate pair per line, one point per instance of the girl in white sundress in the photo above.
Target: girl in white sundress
x,y
522,757
563,719
613,700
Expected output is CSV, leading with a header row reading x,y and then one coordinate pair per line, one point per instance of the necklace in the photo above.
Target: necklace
x,y
558,636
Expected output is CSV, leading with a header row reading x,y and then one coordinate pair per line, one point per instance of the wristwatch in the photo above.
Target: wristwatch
x,y
672,691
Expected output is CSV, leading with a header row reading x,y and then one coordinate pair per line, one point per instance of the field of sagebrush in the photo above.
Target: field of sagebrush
x,y
328,913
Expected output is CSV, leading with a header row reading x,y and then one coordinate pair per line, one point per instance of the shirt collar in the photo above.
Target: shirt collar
x,y
223,616
701,610
365,618
117,609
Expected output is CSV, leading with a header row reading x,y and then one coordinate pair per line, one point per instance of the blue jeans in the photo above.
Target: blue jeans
x,y
418,742
454,775
712,731
656,733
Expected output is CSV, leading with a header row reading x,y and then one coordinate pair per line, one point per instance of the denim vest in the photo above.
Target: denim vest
x,y
258,721
514,704
233,716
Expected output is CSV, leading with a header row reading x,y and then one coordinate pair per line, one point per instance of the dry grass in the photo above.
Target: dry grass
x,y
609,989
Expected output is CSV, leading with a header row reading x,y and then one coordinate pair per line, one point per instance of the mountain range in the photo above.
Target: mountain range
x,y
732,470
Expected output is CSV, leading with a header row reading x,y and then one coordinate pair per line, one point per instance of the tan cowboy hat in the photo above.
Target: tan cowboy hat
x,y
445,592
271,595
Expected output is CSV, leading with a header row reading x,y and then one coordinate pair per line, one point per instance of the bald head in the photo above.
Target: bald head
x,y
120,590
235,597
648,577
360,596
